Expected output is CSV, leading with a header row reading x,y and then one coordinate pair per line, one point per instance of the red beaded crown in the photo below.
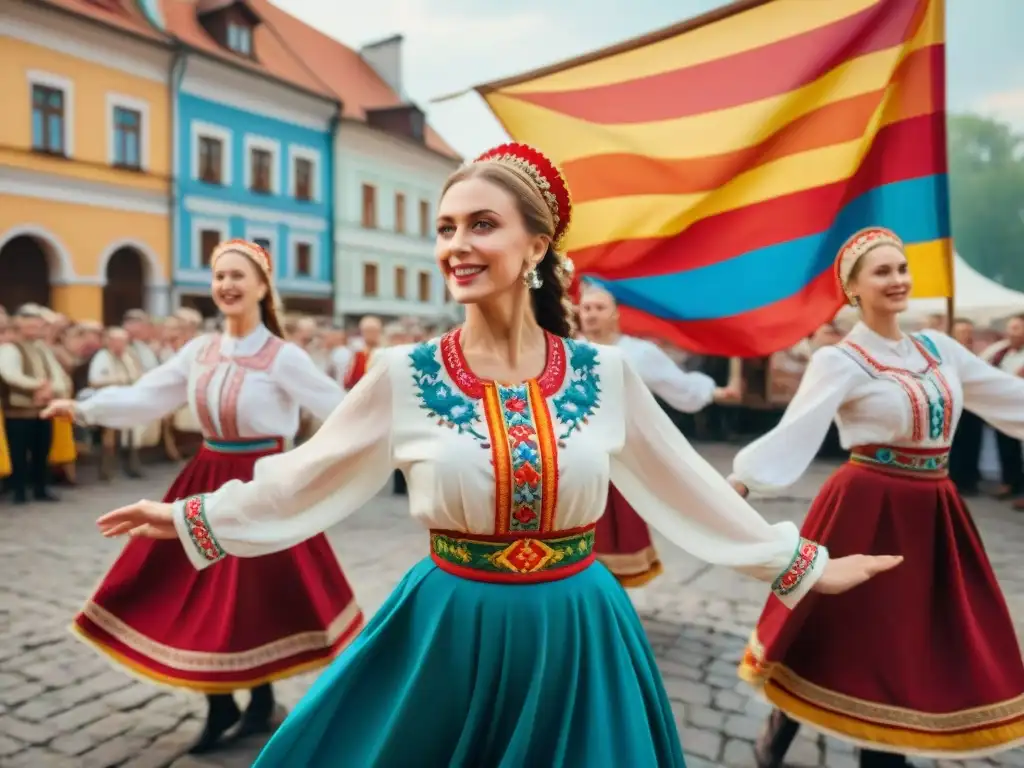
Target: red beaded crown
x,y
253,251
856,246
542,174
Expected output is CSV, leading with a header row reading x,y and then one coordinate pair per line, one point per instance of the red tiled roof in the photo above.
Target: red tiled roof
x,y
120,14
344,71
273,57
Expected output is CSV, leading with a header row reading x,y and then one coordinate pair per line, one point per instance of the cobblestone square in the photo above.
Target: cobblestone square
x,y
63,706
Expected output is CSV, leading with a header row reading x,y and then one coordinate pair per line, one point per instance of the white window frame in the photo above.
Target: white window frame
x,y
198,226
200,129
67,86
254,232
296,152
294,240
115,100
273,146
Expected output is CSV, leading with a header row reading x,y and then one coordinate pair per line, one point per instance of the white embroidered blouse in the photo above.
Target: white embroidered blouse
x,y
881,392
238,388
526,459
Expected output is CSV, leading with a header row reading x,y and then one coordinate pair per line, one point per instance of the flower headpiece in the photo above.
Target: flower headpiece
x,y
252,251
859,244
543,175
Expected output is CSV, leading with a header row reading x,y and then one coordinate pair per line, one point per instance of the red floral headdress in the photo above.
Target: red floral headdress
x,y
856,247
543,174
252,251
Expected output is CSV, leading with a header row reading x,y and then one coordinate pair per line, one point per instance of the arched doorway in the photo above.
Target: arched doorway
x,y
24,272
125,288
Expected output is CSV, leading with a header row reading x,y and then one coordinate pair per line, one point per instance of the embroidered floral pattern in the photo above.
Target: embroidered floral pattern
x,y
441,400
199,529
582,395
903,459
803,561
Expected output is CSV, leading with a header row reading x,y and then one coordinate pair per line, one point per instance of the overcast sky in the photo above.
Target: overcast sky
x,y
454,44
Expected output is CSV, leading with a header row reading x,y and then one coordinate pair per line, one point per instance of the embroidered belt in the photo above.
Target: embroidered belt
x,y
513,559
246,445
923,463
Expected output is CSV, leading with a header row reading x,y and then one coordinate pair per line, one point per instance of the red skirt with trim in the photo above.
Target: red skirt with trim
x,y
240,622
923,659
623,543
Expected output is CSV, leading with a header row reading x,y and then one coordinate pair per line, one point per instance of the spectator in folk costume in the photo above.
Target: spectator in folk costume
x,y
371,332
965,452
63,450
1008,355
6,335
30,377
622,539
116,366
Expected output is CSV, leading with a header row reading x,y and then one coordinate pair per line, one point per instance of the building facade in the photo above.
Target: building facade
x,y
253,153
85,159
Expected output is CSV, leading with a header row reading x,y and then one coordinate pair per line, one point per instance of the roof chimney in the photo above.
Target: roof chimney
x,y
385,56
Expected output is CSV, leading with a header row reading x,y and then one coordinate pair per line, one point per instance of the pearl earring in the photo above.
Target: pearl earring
x,y
533,279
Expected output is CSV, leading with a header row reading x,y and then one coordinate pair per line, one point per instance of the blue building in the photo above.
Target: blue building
x,y
253,142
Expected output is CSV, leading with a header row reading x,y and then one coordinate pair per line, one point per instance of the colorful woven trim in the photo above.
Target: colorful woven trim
x,y
199,529
803,561
924,463
512,559
249,445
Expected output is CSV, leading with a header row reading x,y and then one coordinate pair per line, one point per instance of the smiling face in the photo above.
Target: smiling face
x,y
881,281
238,287
491,228
598,313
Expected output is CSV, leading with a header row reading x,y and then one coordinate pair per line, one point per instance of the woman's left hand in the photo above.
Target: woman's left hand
x,y
149,519
845,573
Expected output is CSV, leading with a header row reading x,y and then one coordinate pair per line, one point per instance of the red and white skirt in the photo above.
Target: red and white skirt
x,y
241,622
623,543
921,660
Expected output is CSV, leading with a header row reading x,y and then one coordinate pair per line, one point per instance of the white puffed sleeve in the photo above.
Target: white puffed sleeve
x,y
306,383
686,392
993,394
161,391
776,460
295,495
675,490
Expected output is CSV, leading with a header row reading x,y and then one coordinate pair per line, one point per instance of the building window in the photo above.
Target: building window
x,y
263,243
209,239
447,295
399,282
240,38
211,160
48,105
424,218
369,280
260,162
303,179
369,206
127,138
303,260
424,287
400,213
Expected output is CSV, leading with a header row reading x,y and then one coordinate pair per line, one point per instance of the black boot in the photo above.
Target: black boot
x,y
779,732
258,716
222,714
872,759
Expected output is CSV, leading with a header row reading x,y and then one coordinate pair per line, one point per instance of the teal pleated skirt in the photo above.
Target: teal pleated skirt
x,y
467,674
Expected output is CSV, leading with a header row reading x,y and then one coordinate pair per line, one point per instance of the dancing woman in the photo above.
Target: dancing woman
x,y
923,660
244,623
508,645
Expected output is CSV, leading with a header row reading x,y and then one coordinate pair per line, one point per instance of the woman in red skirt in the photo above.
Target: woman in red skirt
x,y
924,659
244,622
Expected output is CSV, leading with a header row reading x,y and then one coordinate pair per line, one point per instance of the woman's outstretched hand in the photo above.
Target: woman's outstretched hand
x,y
149,519
844,573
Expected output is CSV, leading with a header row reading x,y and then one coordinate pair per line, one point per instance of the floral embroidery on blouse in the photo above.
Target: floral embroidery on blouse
x,y
804,558
581,397
441,400
199,529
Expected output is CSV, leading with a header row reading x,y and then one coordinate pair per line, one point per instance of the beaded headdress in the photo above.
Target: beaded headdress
x,y
858,245
252,251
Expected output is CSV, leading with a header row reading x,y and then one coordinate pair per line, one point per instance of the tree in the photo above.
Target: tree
x,y
986,169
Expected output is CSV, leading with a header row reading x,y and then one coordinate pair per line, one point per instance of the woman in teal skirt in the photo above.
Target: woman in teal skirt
x,y
508,645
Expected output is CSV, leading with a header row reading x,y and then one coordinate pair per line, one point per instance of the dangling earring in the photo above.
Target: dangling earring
x,y
533,279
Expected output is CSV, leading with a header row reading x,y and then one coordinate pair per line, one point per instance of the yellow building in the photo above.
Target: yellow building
x,y
85,158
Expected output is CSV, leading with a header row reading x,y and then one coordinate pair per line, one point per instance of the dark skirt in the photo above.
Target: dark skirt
x,y
463,673
921,660
237,624
623,543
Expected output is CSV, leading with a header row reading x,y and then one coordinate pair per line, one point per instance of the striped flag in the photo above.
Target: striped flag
x,y
717,166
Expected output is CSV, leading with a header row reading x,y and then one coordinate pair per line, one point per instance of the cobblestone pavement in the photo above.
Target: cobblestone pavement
x,y
61,705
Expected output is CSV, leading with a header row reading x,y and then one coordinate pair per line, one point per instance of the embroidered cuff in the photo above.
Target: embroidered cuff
x,y
803,572
193,528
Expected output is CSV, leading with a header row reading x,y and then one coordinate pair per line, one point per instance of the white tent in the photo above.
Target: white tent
x,y
977,297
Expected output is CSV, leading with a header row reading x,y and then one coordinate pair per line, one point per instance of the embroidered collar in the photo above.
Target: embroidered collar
x,y
243,346
550,379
